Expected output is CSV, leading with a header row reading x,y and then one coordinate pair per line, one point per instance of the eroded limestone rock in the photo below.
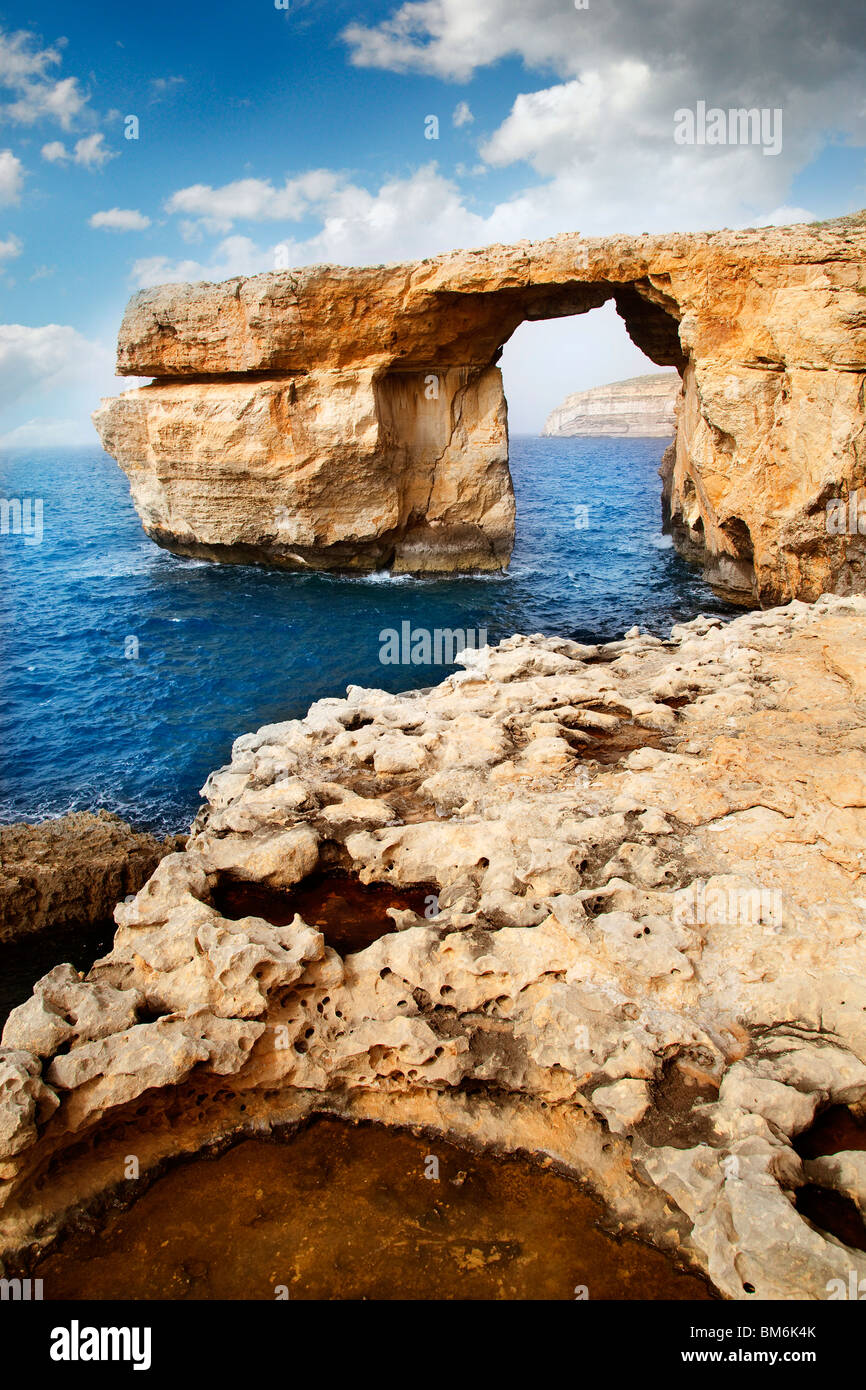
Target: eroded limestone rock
x,y
645,964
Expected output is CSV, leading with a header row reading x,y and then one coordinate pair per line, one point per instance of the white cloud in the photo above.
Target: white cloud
x,y
120,220
52,376
426,213
10,248
50,356
598,142
462,114
20,63
406,218
92,152
566,124
255,200
236,255
25,70
782,217
599,145
601,136
743,43
11,177
60,101
447,38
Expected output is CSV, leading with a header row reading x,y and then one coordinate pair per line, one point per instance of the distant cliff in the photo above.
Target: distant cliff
x,y
642,405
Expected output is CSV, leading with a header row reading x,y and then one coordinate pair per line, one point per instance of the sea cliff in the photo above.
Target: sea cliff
x,y
640,405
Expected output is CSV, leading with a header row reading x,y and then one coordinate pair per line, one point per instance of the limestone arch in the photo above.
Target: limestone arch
x,y
286,422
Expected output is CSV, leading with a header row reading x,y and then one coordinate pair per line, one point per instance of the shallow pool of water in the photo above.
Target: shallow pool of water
x,y
345,1212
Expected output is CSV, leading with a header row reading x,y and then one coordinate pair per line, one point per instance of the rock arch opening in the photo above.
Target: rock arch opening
x,y
546,361
447,421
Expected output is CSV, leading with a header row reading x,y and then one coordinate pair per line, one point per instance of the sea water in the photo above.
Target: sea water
x,y
126,672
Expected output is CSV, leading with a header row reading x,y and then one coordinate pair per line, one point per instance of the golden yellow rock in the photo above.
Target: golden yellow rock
x,y
354,418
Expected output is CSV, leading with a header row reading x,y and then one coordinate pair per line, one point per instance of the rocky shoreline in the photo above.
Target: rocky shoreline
x,y
641,956
73,869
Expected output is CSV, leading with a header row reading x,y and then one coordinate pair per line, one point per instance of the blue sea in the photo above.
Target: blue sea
x,y
127,672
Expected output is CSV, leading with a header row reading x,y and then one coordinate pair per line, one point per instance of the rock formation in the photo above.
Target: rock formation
x,y
344,419
74,869
644,955
643,406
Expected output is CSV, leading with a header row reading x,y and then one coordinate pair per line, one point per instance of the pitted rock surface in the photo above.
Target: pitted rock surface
x,y
645,956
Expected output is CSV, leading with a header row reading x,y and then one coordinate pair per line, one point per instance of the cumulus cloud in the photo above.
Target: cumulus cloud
x,y
255,200
61,101
236,255
742,43
120,220
55,152
591,151
92,152
601,134
426,213
405,218
27,72
11,178
20,62
604,147
559,126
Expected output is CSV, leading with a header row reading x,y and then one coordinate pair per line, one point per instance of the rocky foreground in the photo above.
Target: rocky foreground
x,y
643,959
642,406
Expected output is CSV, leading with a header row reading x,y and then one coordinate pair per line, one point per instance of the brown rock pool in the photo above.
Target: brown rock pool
x,y
339,1211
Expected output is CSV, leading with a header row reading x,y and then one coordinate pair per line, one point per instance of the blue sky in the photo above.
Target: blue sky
x,y
282,136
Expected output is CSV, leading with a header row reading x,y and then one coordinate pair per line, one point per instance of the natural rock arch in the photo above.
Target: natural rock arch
x,y
337,418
